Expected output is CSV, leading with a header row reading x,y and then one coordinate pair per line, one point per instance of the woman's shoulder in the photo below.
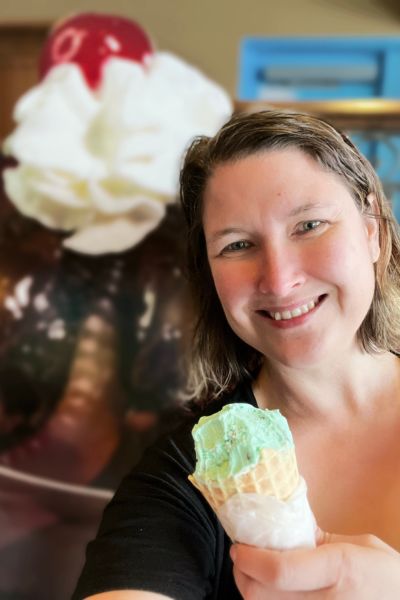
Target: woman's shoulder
x,y
139,543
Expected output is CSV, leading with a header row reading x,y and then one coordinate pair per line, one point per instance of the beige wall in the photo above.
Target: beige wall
x,y
207,32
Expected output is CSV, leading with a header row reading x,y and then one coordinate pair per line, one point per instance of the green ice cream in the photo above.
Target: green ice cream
x,y
231,440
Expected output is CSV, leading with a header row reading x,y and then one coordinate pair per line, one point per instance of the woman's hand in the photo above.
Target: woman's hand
x,y
340,567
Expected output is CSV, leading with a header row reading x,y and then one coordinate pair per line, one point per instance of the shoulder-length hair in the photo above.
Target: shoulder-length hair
x,y
219,358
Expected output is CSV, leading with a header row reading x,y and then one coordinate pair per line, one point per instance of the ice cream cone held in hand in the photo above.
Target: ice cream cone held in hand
x,y
247,470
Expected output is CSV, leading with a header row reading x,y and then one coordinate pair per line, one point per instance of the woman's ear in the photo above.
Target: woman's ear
x,y
371,217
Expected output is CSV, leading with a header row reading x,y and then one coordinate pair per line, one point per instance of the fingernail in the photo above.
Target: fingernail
x,y
233,553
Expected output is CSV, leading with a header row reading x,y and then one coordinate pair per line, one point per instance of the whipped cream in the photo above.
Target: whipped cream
x,y
104,164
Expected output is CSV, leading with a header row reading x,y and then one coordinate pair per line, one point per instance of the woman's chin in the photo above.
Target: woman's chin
x,y
299,357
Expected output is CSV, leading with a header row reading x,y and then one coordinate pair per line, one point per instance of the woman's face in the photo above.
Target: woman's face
x,y
291,256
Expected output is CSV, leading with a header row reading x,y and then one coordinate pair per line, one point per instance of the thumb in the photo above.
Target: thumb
x,y
365,540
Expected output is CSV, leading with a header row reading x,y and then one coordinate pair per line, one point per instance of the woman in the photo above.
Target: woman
x,y
294,262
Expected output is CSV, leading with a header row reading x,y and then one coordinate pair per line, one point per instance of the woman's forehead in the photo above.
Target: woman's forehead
x,y
282,167
278,184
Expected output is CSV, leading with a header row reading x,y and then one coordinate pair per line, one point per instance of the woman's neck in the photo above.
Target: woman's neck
x,y
340,390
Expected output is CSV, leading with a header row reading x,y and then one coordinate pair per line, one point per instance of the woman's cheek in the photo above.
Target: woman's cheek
x,y
233,282
333,258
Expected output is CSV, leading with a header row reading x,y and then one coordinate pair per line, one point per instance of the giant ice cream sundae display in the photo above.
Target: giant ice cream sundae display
x,y
99,140
93,305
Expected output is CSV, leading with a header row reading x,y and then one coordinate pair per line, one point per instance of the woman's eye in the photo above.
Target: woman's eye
x,y
307,226
236,246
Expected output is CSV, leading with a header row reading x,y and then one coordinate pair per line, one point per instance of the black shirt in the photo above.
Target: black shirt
x,y
158,533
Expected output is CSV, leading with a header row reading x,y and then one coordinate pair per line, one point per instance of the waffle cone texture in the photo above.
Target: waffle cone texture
x,y
276,474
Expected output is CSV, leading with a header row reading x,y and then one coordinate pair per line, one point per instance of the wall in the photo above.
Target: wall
x,y
208,33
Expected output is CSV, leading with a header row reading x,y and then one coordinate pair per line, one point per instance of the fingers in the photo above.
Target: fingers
x,y
245,584
292,570
343,564
250,589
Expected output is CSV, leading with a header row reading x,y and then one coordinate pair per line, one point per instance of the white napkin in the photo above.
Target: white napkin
x,y
267,522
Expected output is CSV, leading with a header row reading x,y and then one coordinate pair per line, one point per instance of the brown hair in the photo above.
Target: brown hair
x,y
220,359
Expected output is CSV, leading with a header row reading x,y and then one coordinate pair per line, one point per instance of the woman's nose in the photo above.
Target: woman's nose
x,y
280,272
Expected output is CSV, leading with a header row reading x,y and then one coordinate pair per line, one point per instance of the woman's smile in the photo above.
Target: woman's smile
x,y
284,318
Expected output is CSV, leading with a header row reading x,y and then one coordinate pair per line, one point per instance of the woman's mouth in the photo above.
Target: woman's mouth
x,y
298,311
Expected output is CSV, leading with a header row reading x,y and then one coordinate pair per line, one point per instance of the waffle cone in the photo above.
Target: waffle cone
x,y
275,474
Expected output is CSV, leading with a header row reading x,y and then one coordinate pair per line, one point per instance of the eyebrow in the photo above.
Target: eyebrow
x,y
223,232
305,208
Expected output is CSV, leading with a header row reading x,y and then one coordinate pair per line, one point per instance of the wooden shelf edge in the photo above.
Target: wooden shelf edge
x,y
379,114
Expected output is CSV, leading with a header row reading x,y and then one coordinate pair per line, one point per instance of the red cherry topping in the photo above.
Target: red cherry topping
x,y
89,40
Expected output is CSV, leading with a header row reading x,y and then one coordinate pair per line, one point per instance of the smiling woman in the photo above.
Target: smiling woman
x,y
293,257
311,173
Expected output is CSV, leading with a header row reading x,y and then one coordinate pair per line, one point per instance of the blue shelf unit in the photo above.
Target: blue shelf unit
x,y
316,68
319,68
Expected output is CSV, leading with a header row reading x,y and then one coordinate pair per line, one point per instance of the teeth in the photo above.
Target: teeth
x,y
296,312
